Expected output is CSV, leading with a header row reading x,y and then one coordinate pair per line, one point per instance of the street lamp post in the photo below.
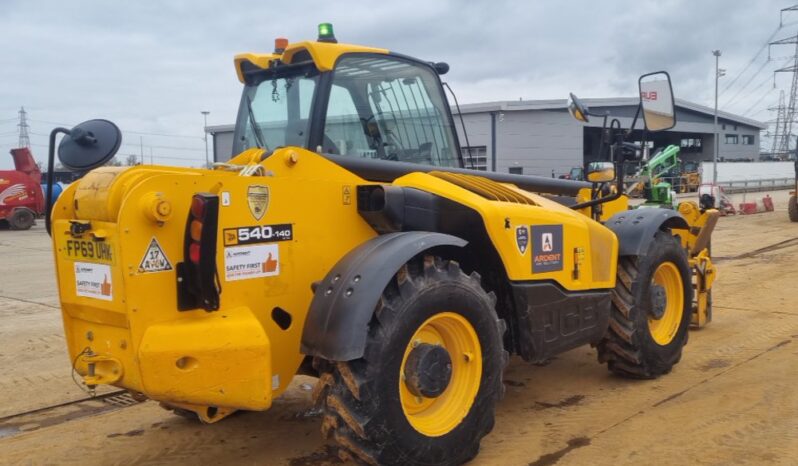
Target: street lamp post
x,y
718,73
205,114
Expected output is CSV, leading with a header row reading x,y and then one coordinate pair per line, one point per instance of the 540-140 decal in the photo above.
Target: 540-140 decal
x,y
258,234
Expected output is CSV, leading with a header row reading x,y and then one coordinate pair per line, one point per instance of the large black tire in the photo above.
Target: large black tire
x,y
628,347
21,219
363,412
792,208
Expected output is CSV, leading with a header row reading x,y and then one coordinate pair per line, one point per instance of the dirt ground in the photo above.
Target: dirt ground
x,y
731,400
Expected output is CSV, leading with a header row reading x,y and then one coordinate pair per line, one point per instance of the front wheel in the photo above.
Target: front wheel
x,y
426,389
651,311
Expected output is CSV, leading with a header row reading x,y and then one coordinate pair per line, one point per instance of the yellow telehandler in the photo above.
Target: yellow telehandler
x,y
346,240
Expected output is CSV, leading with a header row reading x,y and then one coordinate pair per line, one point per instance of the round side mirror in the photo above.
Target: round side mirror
x,y
89,145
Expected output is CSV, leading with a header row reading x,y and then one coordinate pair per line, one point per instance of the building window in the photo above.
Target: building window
x,y
731,139
735,127
724,125
476,157
516,170
748,139
690,145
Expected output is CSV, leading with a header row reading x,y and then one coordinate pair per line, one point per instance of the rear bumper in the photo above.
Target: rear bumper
x,y
221,359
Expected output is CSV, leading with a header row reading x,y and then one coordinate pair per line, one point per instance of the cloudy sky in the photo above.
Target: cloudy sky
x,y
152,67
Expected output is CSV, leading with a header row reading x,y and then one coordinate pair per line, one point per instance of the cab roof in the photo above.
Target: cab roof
x,y
323,54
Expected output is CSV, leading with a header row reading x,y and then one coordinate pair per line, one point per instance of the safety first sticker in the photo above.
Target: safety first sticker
x,y
93,281
546,248
244,262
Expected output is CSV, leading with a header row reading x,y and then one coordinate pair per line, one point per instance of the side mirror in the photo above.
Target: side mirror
x,y
656,99
89,145
600,172
577,109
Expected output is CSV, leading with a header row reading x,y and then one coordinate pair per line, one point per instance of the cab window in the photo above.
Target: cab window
x,y
388,108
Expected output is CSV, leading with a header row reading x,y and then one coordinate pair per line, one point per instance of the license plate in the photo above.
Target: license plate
x,y
90,250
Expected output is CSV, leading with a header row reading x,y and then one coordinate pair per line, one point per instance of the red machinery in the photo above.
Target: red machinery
x,y
21,197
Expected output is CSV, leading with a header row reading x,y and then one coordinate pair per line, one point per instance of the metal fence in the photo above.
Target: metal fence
x,y
736,186
750,186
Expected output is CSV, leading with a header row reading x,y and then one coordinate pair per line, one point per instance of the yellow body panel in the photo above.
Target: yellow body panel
x,y
183,358
324,55
582,237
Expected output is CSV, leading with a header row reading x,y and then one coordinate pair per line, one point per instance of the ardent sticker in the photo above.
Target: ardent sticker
x,y
93,281
522,238
154,259
225,199
244,262
258,200
547,248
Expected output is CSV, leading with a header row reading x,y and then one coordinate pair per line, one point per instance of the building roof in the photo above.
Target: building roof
x,y
220,129
562,104
559,104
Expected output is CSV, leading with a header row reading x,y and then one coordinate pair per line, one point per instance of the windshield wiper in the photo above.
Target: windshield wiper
x,y
259,139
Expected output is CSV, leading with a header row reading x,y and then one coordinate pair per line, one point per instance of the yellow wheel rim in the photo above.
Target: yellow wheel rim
x,y
663,330
437,416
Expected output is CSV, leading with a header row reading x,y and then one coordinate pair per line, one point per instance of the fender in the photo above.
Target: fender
x,y
636,228
343,303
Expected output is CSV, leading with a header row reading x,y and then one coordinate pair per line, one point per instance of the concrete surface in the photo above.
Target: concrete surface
x,y
731,400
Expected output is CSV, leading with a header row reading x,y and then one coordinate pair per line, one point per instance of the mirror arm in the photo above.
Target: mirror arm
x,y
48,203
619,163
634,120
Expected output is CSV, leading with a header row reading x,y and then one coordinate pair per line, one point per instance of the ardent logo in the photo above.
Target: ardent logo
x,y
547,242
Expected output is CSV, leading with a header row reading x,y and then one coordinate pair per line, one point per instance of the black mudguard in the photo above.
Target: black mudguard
x,y
343,303
635,229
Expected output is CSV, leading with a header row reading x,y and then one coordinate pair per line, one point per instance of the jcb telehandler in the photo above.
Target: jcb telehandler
x,y
346,240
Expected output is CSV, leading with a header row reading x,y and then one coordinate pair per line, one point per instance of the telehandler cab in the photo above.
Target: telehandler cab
x,y
345,240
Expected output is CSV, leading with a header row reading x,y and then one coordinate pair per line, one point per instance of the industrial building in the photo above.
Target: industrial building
x,y
540,137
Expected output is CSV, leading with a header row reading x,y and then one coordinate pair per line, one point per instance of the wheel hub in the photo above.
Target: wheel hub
x,y
659,301
428,370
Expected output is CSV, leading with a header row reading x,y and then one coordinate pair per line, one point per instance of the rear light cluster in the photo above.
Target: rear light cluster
x,y
198,282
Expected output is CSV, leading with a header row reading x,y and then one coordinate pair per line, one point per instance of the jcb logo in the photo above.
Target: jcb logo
x,y
258,234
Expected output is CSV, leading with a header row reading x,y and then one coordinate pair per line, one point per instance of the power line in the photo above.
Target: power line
x,y
758,101
145,133
753,59
739,91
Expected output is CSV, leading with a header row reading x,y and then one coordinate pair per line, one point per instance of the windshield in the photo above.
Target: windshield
x,y
387,108
274,112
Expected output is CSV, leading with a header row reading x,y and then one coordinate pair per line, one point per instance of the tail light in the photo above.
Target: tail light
x,y
197,278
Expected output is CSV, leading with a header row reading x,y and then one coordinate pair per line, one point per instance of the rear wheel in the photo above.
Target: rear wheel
x,y
792,208
426,389
21,219
651,311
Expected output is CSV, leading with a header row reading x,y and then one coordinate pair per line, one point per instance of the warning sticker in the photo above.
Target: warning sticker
x,y
154,259
244,262
93,281
347,194
546,248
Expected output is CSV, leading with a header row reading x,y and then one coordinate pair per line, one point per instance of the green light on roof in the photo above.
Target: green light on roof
x,y
326,30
